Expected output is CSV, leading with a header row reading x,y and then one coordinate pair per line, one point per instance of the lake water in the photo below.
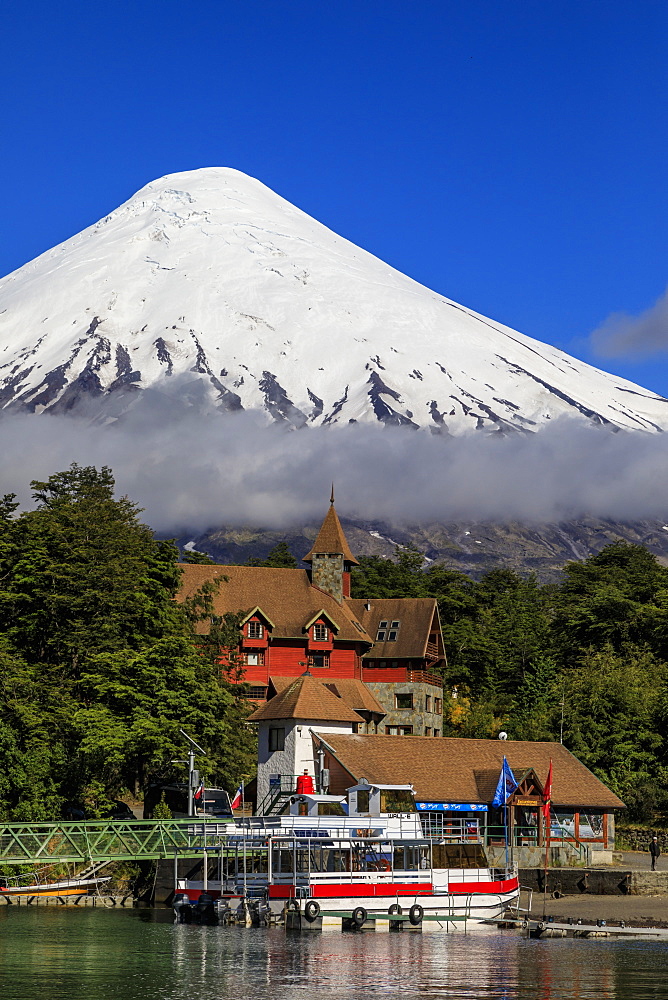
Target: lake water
x,y
93,954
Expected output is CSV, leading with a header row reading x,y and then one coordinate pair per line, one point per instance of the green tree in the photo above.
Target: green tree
x,y
613,706
617,597
193,557
399,577
102,666
280,557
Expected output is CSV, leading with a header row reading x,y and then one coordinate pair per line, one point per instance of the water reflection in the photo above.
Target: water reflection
x,y
55,953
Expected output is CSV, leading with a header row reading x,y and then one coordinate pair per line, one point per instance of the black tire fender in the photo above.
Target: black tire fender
x,y
395,908
311,910
293,904
415,914
359,915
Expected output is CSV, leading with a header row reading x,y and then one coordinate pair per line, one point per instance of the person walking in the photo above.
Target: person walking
x,y
654,851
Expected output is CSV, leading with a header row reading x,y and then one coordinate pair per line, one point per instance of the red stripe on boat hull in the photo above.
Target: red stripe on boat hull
x,y
473,888
350,889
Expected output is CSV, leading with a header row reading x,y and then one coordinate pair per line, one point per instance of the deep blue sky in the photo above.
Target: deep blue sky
x,y
510,155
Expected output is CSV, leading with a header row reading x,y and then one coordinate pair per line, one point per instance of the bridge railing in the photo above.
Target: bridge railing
x,y
112,840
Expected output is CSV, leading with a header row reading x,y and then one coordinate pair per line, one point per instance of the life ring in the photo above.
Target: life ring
x,y
415,914
395,908
311,910
359,916
383,865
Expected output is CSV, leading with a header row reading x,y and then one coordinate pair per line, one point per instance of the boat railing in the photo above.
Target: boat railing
x,y
372,877
349,827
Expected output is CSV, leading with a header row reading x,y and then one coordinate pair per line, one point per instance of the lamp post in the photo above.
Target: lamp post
x,y
193,774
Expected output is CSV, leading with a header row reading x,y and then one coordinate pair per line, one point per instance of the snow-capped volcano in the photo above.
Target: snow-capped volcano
x,y
211,276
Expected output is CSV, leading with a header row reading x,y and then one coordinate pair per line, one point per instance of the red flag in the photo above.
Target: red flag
x,y
199,794
547,798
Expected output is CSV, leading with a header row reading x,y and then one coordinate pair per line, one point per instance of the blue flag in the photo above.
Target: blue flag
x,y
506,785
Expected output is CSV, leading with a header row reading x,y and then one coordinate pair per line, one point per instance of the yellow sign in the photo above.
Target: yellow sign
x,y
527,802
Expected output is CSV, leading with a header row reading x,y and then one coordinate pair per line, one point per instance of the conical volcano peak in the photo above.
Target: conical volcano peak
x,y
209,284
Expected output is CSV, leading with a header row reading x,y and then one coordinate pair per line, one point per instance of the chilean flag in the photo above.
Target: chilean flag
x,y
547,801
238,797
199,794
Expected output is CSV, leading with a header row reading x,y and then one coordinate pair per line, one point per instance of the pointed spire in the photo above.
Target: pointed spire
x,y
331,538
331,499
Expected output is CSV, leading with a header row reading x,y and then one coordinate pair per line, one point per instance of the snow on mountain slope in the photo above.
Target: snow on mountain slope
x,y
210,276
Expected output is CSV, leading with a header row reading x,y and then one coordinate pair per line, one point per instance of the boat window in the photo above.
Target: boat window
x,y
362,802
459,856
396,800
331,809
282,860
411,859
253,862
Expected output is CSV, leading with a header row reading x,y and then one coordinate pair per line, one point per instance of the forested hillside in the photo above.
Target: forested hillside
x,y
99,668
584,660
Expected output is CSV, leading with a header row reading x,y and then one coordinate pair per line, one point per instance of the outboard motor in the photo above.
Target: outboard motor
x,y
183,908
204,908
222,911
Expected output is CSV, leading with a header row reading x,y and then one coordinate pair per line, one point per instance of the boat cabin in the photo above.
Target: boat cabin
x,y
365,799
318,805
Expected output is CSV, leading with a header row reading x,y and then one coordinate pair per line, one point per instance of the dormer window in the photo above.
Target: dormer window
x,y
255,630
393,631
320,632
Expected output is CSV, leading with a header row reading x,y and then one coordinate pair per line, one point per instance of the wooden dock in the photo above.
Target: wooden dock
x,y
537,928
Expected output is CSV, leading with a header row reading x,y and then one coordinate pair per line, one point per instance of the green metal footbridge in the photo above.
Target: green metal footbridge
x,y
97,841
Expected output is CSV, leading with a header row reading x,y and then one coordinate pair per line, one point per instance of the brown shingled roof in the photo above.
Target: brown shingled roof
x,y
415,615
285,596
356,695
461,770
332,539
308,699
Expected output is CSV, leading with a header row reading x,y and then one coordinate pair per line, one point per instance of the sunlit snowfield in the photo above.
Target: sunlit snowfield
x,y
141,954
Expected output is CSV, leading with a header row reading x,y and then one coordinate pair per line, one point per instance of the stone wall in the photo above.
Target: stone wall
x,y
637,838
417,717
534,857
649,883
327,573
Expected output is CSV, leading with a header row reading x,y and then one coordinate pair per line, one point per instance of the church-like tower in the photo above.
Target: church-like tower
x,y
330,557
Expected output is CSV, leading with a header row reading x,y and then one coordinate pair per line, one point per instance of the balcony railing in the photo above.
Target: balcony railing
x,y
424,677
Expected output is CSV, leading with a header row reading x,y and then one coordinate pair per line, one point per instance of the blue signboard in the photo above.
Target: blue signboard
x,y
476,807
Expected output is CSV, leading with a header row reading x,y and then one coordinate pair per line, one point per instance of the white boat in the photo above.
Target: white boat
x,y
66,887
358,856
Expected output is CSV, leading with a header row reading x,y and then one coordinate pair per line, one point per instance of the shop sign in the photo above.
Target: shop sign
x,y
451,807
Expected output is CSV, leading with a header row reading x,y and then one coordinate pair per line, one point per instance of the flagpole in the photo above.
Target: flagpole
x,y
243,799
547,795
